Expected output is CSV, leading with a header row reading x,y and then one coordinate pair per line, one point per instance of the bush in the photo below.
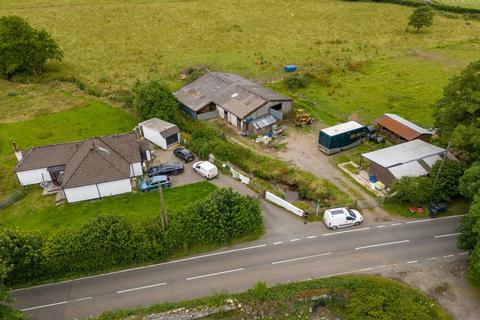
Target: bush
x,y
469,185
412,190
103,242
446,188
296,81
6,312
154,99
223,216
24,48
22,255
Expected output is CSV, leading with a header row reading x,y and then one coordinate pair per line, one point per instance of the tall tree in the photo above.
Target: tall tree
x,y
457,114
421,17
470,181
24,49
154,99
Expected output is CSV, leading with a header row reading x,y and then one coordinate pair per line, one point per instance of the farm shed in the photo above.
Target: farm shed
x,y
400,129
84,170
409,159
162,133
341,137
232,98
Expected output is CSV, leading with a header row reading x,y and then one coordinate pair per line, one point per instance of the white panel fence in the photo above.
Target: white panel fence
x,y
284,204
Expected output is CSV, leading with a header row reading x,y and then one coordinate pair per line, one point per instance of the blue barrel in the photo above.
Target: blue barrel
x,y
290,68
372,178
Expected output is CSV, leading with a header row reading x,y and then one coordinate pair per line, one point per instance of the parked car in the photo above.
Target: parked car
x,y
183,154
341,217
166,169
436,208
205,169
153,183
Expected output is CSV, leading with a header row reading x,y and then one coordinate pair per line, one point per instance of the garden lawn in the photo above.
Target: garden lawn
x,y
95,119
474,4
457,207
39,213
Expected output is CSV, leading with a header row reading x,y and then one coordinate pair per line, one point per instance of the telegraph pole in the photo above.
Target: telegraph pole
x,y
163,209
441,165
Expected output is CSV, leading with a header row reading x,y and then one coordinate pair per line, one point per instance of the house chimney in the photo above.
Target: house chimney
x,y
17,151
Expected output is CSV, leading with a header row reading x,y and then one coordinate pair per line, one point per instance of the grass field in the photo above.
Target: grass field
x,y
39,213
95,119
475,4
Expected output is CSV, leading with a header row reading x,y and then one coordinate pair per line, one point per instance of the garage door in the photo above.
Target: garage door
x,y
172,139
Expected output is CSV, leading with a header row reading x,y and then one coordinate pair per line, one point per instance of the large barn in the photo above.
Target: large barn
x,y
234,99
84,170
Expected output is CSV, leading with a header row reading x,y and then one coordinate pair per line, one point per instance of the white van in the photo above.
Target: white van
x,y
341,217
205,169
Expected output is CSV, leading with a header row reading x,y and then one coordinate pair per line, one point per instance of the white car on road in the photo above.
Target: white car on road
x,y
341,217
205,169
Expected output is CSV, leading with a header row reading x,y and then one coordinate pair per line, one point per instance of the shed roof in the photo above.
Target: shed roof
x,y
410,169
264,121
165,128
232,92
342,128
403,153
402,127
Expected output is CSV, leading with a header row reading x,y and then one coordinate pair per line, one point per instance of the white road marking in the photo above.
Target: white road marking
x,y
278,242
82,299
447,235
56,304
448,256
382,266
215,274
302,258
430,259
381,226
346,231
293,240
311,237
381,244
141,288
365,269
435,219
462,253
45,306
396,224
413,261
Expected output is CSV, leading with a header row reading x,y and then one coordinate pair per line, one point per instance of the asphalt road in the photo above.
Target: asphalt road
x,y
309,255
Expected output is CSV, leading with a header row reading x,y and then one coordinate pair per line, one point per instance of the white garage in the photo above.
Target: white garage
x,y
162,133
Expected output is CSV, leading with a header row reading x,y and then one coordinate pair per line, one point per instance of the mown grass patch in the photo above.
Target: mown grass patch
x,y
39,213
341,297
457,207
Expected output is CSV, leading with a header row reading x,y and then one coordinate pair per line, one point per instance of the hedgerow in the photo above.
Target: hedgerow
x,y
106,242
